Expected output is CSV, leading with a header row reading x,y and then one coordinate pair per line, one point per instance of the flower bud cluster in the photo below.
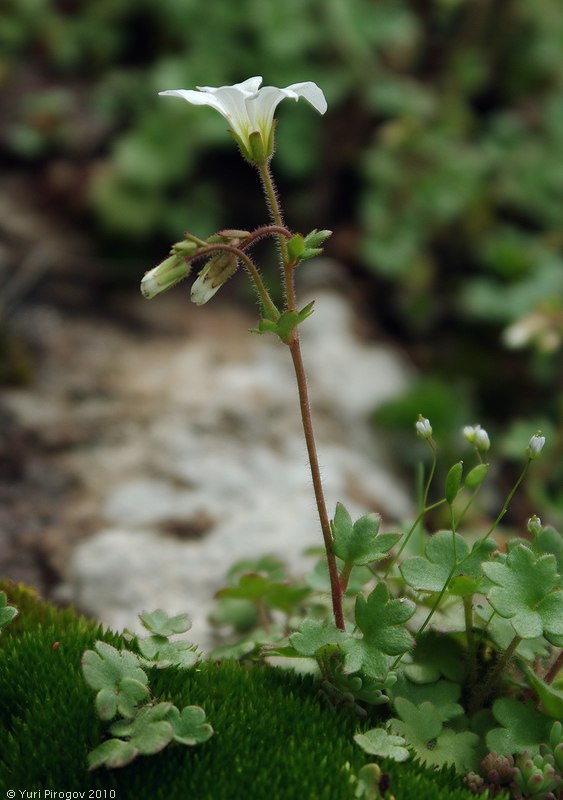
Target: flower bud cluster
x,y
477,436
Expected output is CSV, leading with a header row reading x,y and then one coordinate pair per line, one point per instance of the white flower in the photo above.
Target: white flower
x,y
218,269
164,276
250,110
423,427
535,445
478,436
534,525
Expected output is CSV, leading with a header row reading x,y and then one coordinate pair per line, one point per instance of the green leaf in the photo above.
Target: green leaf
x,y
285,597
251,587
433,744
285,324
117,674
444,695
501,632
149,731
453,482
551,541
270,566
166,654
159,623
436,654
551,698
431,573
312,636
381,621
524,728
526,593
378,742
359,543
112,753
7,613
190,726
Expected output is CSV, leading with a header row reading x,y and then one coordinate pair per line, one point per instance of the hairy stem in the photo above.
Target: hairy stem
x,y
471,650
555,668
336,591
277,218
252,271
295,348
485,689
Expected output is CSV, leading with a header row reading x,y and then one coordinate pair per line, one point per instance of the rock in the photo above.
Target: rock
x,y
204,462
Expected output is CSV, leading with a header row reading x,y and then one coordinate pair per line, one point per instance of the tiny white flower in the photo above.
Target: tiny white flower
x,y
164,276
534,525
250,110
535,445
218,269
482,441
423,427
478,436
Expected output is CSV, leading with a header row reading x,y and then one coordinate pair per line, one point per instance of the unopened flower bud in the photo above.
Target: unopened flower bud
x,y
535,445
218,269
164,276
477,436
534,525
423,427
185,248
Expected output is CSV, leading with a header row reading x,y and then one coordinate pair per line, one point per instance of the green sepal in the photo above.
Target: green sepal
x,y
295,247
453,482
316,238
259,153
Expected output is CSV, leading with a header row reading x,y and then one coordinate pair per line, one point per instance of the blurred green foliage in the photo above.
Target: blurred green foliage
x,y
438,164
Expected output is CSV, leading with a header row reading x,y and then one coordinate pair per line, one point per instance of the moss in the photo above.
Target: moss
x,y
273,739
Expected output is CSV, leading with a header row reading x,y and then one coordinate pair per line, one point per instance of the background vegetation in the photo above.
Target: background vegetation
x,y
438,166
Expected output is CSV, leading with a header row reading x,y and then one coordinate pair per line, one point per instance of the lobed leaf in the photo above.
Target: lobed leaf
x,y
381,621
523,727
430,573
312,636
166,654
526,593
360,543
7,613
112,753
161,624
379,742
120,681
149,731
190,725
433,744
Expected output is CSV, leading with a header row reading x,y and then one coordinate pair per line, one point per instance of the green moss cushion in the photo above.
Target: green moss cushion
x,y
274,738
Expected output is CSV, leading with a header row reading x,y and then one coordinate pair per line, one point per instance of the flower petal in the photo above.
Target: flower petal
x,y
312,93
249,85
